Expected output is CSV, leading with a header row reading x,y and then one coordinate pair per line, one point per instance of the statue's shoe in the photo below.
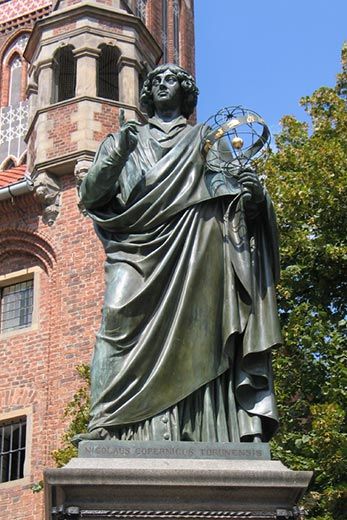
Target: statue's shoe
x,y
99,434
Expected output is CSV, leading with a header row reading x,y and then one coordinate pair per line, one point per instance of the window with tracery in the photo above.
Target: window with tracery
x,y
14,106
107,73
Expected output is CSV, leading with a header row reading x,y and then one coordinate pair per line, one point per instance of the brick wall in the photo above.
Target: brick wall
x,y
37,367
154,17
19,14
187,38
108,117
60,133
187,42
15,8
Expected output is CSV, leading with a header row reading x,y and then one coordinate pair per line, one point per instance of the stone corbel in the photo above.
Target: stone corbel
x,y
47,192
80,171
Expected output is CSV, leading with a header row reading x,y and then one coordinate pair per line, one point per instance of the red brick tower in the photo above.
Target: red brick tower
x,y
66,70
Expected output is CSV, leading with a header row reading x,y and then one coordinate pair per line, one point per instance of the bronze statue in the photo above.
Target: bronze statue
x,y
189,315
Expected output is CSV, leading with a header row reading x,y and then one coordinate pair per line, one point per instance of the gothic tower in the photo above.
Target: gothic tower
x,y
68,71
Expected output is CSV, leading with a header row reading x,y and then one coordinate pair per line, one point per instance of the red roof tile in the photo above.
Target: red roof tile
x,y
11,176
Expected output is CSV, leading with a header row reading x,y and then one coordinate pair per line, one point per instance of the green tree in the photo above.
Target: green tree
x,y
78,411
307,178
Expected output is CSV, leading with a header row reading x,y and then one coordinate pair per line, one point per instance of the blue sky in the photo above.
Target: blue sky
x,y
266,54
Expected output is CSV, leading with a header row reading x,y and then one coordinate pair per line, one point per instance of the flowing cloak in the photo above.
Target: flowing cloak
x,y
189,286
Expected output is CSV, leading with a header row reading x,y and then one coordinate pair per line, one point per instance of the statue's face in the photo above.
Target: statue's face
x,y
166,91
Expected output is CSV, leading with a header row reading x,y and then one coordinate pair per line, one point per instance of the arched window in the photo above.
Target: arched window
x,y
64,74
13,71
107,73
176,30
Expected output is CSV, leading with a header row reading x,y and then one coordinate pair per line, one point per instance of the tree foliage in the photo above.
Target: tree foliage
x,y
307,178
78,412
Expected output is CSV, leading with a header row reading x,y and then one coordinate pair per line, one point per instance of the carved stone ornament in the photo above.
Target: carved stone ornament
x,y
47,191
81,170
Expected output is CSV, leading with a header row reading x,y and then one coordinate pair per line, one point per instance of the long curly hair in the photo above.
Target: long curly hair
x,y
188,85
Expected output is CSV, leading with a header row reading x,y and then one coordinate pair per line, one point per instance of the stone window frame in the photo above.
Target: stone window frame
x,y
14,415
32,273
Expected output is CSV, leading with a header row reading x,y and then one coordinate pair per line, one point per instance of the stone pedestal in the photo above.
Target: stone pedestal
x,y
174,488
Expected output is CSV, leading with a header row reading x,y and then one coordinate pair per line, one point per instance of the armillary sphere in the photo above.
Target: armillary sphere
x,y
232,138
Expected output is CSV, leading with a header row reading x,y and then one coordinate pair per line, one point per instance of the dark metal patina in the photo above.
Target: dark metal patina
x,y
189,316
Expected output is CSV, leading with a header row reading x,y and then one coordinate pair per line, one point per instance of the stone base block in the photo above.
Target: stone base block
x,y
164,488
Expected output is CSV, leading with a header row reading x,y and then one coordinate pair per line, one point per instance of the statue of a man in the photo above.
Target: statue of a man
x,y
189,315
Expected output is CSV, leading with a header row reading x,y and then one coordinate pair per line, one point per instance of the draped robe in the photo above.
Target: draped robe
x,y
189,315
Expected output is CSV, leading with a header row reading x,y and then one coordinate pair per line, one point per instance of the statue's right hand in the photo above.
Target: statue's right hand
x,y
127,141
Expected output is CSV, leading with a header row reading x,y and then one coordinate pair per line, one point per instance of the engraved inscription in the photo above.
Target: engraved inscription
x,y
189,450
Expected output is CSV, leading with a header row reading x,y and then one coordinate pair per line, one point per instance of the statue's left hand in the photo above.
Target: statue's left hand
x,y
249,180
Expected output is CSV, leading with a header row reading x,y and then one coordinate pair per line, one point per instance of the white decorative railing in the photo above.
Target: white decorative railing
x,y
13,127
